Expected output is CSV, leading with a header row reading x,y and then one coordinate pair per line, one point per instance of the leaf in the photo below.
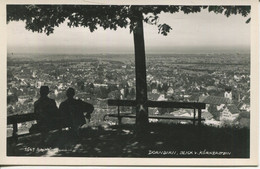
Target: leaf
x,y
164,29
248,20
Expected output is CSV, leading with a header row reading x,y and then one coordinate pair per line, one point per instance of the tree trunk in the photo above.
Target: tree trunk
x,y
140,71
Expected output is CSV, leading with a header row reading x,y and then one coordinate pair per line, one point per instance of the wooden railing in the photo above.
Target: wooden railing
x,y
15,119
19,118
159,104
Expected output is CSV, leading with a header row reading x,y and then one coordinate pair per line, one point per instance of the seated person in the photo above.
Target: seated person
x,y
46,110
72,111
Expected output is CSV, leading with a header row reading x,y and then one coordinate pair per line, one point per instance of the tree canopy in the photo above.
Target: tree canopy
x,y
44,18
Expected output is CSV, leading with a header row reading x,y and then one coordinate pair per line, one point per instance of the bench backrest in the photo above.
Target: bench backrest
x,y
159,104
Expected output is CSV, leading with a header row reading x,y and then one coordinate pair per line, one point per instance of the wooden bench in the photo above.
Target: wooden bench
x,y
165,117
21,118
158,104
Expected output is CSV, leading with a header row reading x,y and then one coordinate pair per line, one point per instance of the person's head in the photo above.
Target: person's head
x,y
70,93
44,90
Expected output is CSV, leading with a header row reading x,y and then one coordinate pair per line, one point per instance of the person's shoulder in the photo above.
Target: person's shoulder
x,y
83,102
36,102
64,102
51,100
80,101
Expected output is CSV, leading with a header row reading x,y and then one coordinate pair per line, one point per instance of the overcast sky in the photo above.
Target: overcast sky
x,y
198,32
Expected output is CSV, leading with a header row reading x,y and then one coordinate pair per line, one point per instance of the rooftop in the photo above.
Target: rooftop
x,y
216,100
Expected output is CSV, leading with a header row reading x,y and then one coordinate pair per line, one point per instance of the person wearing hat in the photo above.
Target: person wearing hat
x,y
46,110
73,110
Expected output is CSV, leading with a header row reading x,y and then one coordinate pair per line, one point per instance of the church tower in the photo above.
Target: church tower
x,y
228,93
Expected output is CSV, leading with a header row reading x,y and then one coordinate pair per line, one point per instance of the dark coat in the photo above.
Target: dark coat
x,y
46,111
72,111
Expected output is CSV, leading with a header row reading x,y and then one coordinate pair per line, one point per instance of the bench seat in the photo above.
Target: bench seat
x,y
130,115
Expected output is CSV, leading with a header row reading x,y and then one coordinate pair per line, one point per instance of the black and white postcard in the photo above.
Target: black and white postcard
x,y
137,83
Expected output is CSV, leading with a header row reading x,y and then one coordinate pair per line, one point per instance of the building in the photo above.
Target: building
x,y
222,108
162,98
229,113
170,91
228,93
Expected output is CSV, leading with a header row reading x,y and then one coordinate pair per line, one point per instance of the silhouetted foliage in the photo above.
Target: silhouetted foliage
x,y
43,18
